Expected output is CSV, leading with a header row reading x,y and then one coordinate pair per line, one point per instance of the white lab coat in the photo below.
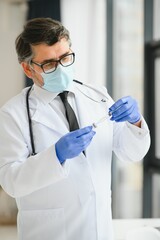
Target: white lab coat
x,y
70,201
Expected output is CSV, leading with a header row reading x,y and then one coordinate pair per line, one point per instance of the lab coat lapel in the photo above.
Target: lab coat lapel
x,y
44,114
83,113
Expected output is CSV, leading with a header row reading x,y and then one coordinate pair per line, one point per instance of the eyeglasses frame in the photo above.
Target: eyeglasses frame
x,y
56,61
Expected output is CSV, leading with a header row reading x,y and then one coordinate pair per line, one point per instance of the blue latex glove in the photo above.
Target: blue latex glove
x,y
73,143
125,109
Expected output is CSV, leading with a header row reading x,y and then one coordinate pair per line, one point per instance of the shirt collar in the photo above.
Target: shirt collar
x,y
46,96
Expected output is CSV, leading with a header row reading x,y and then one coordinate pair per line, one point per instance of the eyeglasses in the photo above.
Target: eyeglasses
x,y
51,65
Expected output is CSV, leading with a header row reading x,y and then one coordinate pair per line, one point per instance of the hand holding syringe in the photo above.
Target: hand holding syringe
x,y
125,109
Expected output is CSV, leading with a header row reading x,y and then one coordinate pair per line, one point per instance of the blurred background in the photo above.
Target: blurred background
x,y
117,44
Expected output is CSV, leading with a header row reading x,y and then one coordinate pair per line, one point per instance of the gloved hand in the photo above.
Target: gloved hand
x,y
125,109
73,143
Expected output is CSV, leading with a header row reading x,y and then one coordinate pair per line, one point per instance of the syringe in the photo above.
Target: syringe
x,y
101,120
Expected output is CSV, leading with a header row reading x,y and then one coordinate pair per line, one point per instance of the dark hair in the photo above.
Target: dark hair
x,y
37,31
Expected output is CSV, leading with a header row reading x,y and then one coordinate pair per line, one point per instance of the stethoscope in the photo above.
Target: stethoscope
x,y
29,116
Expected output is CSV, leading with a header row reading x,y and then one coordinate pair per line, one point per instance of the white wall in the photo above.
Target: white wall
x,y
12,18
86,21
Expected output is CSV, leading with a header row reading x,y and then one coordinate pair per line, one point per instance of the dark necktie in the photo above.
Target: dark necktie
x,y
70,115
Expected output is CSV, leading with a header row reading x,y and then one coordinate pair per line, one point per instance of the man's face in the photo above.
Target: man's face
x,y
43,53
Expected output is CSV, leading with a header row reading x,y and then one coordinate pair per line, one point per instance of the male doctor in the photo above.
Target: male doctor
x,y
61,177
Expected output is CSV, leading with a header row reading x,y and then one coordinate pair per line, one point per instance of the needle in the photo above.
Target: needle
x,y
101,120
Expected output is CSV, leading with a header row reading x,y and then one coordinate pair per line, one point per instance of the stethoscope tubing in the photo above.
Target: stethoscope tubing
x,y
30,123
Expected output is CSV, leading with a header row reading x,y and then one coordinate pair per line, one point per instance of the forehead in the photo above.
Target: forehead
x,y
43,51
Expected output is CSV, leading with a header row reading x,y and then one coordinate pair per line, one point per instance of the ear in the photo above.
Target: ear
x,y
27,69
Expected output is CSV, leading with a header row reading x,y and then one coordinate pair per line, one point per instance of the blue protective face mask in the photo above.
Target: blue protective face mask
x,y
59,80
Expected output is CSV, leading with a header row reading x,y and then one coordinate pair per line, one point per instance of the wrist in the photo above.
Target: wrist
x,y
137,122
61,160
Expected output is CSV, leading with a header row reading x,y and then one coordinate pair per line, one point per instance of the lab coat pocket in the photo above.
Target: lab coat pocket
x,y
42,224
